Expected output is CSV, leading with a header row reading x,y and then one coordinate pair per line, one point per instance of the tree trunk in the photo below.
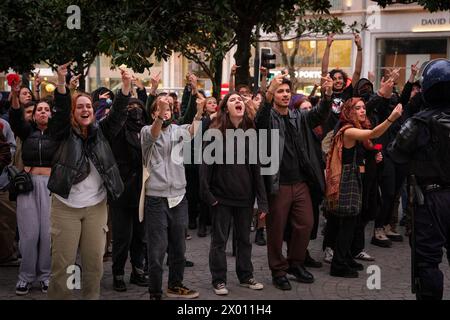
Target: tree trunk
x,y
243,54
217,81
26,79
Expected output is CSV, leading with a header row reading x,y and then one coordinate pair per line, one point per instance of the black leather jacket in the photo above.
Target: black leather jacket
x,y
72,146
310,156
37,146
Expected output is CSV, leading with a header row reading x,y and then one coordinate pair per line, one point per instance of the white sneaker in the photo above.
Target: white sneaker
x,y
220,289
328,255
364,256
252,284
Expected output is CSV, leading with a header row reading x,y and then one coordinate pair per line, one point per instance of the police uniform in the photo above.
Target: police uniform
x,y
416,146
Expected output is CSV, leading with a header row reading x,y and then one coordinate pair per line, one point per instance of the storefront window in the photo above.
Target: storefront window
x,y
402,53
308,60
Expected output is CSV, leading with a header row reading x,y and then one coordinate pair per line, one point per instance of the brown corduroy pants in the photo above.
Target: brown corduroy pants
x,y
291,205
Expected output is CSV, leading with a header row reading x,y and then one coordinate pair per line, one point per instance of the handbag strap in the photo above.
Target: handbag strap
x,y
146,163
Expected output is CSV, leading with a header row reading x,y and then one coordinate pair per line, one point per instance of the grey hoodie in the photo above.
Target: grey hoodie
x,y
163,159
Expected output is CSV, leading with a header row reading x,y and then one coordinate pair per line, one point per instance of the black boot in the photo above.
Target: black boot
x,y
138,277
201,230
310,262
118,283
260,239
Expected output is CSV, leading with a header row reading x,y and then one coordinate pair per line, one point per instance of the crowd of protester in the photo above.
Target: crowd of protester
x,y
104,156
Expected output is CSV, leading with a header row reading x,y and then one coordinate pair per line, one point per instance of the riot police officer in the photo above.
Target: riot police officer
x,y
423,144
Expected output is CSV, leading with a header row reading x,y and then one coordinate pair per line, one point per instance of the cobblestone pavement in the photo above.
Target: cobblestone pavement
x,y
394,264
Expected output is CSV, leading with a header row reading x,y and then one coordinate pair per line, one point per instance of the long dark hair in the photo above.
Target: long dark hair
x,y
223,122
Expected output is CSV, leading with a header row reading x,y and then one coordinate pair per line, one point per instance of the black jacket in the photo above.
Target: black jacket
x,y
72,146
37,146
310,156
126,147
234,185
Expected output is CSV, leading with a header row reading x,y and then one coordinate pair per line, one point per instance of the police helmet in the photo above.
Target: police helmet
x,y
435,72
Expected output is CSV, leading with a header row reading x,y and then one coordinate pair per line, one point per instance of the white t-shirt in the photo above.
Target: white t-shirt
x,y
88,192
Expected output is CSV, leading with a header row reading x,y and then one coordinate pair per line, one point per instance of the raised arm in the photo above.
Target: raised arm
x,y
262,118
363,135
319,114
190,111
37,86
407,89
152,96
140,90
59,124
232,84
116,118
263,71
326,56
358,64
200,102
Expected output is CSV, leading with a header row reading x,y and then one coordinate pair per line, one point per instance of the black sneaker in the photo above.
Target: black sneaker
x,y
301,274
180,291
155,296
192,225
310,262
188,264
119,284
343,272
139,278
22,287
281,283
201,230
260,239
44,286
355,265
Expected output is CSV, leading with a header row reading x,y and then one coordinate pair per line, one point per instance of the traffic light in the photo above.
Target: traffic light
x,y
266,56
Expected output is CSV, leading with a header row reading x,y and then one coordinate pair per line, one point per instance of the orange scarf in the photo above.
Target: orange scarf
x,y
333,170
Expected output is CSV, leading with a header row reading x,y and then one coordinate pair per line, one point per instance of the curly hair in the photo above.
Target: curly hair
x,y
348,116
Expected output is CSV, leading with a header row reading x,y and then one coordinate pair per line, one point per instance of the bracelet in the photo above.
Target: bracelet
x,y
360,49
389,120
61,84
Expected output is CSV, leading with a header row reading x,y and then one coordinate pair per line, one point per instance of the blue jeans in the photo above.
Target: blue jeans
x,y
165,232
